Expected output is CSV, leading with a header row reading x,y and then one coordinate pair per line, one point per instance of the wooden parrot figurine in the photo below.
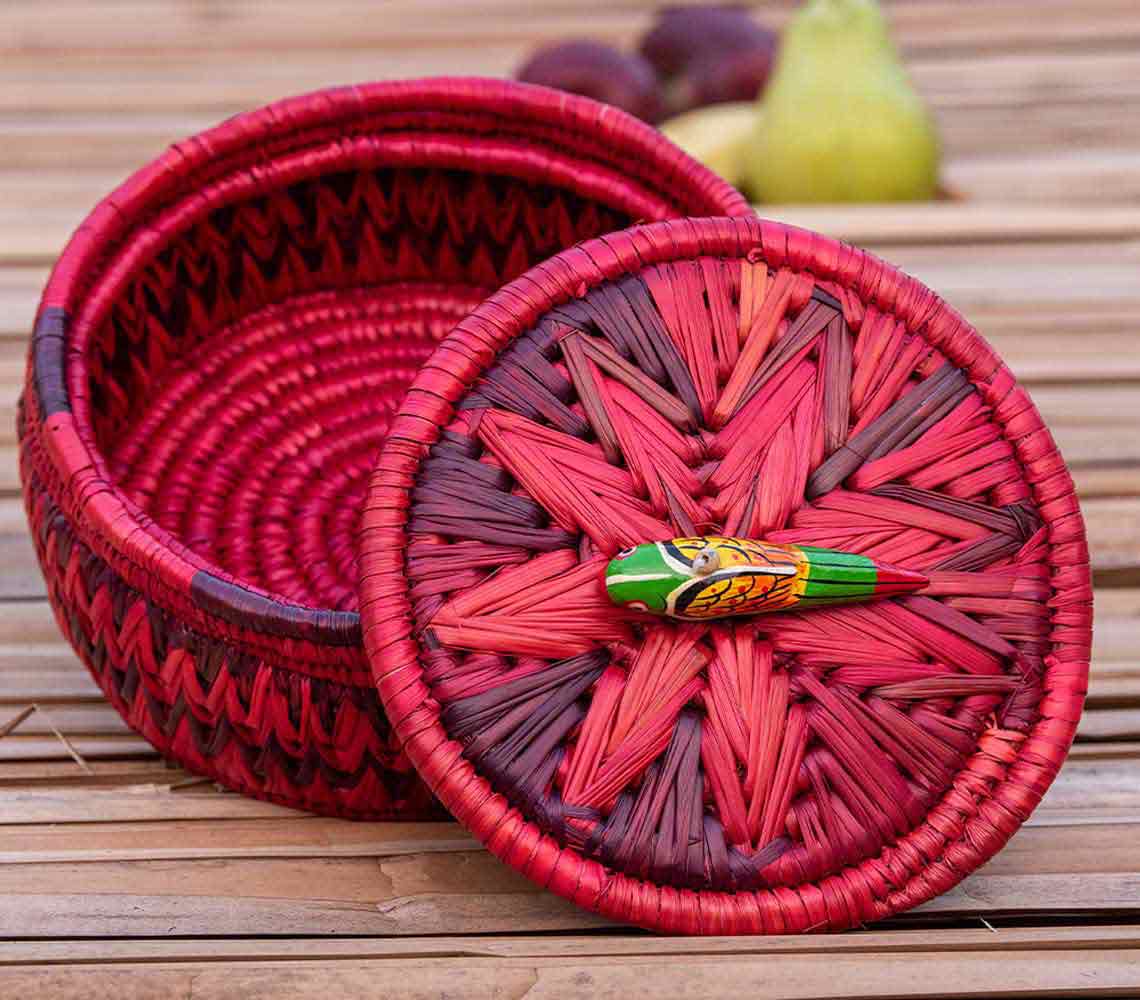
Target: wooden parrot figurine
x,y
695,579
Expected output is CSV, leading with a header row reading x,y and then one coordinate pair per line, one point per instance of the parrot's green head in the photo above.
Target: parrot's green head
x,y
646,577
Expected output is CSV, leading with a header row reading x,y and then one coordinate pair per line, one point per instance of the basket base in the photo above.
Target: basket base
x,y
255,450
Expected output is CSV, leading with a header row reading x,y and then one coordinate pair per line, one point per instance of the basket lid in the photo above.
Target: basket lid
x,y
720,578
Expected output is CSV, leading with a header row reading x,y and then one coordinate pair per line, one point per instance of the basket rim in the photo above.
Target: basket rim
x,y
989,797
247,146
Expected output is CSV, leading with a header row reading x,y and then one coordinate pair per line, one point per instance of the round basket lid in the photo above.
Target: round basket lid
x,y
720,578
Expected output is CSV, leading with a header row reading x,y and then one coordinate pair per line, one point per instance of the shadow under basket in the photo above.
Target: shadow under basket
x,y
214,366
665,397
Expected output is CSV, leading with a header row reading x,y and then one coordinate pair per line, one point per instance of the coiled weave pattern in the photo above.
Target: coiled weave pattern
x,y
215,361
787,772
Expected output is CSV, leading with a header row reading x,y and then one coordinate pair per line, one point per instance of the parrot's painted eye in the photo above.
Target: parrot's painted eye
x,y
637,605
626,553
706,561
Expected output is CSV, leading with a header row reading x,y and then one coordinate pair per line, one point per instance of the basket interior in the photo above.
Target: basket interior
x,y
244,377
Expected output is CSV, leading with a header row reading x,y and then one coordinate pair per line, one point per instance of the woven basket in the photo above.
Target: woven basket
x,y
774,773
214,365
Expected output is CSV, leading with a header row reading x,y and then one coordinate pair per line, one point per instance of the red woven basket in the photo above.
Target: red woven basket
x,y
214,364
806,769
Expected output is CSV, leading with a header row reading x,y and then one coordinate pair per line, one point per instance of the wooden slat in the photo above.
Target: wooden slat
x,y
980,99
1085,972
44,679
931,224
898,941
90,747
137,803
204,827
19,294
1111,724
341,897
1114,536
48,774
438,894
126,140
28,622
72,718
12,518
1115,678
1079,405
19,572
1018,79
981,280
1063,176
941,25
249,27
1093,446
1107,481
1108,750
213,80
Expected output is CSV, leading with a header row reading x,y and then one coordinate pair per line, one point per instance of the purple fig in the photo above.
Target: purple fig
x,y
683,34
721,79
709,55
600,71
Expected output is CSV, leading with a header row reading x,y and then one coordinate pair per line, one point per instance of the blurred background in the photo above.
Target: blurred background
x,y
1037,103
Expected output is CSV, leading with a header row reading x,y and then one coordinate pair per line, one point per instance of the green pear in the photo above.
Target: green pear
x,y
841,120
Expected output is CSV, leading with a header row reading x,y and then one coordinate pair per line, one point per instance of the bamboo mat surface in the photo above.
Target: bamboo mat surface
x,y
122,877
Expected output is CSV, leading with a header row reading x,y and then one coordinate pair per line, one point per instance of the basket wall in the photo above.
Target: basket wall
x,y
215,361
